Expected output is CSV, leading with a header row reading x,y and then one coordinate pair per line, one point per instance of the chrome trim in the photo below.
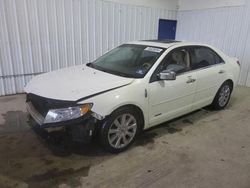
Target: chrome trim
x,y
34,113
97,116
221,71
202,68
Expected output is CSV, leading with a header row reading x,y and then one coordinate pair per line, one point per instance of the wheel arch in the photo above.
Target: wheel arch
x,y
231,83
228,80
135,107
215,104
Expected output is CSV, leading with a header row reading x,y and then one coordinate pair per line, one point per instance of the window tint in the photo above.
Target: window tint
x,y
177,60
203,57
126,54
128,60
148,54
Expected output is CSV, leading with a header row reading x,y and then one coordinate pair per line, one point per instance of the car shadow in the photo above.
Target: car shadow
x,y
32,155
62,145
175,125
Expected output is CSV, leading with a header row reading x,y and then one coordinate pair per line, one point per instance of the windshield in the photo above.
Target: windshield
x,y
128,60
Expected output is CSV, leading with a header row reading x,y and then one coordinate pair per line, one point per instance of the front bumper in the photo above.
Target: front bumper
x,y
34,113
39,118
80,130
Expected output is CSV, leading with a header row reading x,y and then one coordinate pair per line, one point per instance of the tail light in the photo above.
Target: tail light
x,y
238,62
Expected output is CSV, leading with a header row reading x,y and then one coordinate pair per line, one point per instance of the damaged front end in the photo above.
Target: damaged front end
x,y
58,115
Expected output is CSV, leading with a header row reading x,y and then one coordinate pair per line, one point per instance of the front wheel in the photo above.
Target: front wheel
x,y
119,130
223,96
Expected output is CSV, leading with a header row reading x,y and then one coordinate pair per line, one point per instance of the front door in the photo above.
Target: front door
x,y
171,98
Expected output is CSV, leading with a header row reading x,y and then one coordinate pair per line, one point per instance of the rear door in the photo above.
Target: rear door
x,y
208,66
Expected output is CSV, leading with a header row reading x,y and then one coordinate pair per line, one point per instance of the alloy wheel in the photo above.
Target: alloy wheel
x,y
224,95
122,131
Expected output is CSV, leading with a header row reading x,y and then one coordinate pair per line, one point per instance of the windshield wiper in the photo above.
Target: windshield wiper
x,y
90,65
110,71
124,75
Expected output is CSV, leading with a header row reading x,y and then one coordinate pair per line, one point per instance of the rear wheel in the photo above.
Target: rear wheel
x,y
223,96
120,130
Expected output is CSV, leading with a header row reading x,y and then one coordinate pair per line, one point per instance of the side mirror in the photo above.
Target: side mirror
x,y
167,75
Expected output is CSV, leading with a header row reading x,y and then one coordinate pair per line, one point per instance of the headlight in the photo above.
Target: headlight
x,y
65,114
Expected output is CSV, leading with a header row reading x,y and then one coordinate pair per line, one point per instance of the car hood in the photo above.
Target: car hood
x,y
74,83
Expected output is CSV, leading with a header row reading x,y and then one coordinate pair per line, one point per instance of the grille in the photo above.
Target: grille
x,y
43,105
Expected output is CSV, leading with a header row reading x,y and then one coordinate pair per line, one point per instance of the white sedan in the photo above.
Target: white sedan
x,y
131,88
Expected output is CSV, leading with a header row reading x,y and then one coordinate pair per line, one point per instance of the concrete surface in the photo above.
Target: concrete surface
x,y
203,149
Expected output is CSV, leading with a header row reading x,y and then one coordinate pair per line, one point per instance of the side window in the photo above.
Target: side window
x,y
203,57
177,60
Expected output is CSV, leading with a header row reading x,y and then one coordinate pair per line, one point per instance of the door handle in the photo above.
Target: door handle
x,y
221,71
190,80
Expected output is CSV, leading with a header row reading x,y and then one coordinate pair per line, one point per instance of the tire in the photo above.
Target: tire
x,y
223,96
120,129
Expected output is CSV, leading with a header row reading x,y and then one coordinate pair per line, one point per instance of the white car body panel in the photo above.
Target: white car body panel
x,y
159,101
174,99
106,103
73,83
208,82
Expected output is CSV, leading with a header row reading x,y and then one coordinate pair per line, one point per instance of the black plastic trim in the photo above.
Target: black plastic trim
x,y
90,96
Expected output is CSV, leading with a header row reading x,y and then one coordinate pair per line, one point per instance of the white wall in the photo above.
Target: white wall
x,y
43,35
201,4
168,4
227,28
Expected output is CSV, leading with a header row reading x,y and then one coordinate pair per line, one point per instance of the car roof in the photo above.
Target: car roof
x,y
165,43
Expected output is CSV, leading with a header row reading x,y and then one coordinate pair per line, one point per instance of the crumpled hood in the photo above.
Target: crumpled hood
x,y
74,83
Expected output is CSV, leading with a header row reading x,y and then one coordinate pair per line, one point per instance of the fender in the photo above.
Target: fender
x,y
105,103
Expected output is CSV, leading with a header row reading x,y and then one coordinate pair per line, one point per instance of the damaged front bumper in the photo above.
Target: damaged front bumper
x,y
81,129
39,118
34,113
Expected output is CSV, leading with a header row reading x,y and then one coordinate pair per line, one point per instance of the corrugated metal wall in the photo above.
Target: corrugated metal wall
x,y
227,28
43,35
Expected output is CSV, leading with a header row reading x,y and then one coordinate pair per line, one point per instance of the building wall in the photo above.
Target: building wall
x,y
42,35
227,28
201,4
168,4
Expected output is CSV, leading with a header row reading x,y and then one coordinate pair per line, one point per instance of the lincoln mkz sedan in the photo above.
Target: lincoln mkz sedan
x,y
131,88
